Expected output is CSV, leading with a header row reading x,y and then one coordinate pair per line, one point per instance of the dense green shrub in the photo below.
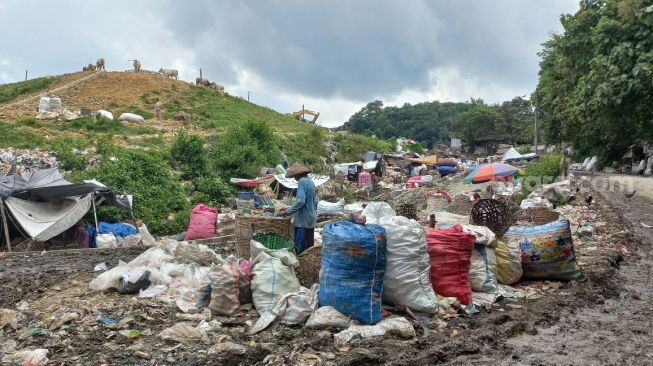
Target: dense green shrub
x,y
242,150
189,155
352,147
159,200
543,172
68,154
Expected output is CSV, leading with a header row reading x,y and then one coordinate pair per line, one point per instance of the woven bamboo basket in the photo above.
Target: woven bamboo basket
x,y
493,214
537,216
310,262
247,226
407,210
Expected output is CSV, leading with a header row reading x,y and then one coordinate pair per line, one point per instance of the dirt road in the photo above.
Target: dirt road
x,y
615,326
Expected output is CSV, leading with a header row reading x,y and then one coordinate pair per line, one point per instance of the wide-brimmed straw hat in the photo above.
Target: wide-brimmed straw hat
x,y
296,169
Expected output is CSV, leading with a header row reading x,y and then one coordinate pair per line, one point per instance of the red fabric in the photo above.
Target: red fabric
x,y
450,251
364,179
202,222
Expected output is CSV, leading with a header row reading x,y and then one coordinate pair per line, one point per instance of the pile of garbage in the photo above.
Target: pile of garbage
x,y
25,159
52,108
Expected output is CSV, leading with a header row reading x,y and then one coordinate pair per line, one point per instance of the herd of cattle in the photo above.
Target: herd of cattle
x,y
170,73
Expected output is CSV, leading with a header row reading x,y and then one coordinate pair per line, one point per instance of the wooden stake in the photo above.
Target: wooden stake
x,y
4,224
97,230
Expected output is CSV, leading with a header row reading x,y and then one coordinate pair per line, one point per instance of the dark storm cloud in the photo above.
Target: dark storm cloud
x,y
361,49
337,54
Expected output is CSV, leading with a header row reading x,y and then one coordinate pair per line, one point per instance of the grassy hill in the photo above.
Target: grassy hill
x,y
167,165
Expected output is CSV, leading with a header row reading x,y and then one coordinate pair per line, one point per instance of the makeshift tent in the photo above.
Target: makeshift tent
x,y
345,168
291,183
371,156
44,204
511,154
44,220
427,160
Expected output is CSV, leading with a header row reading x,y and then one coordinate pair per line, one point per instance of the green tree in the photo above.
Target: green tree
x,y
596,79
188,154
242,150
480,123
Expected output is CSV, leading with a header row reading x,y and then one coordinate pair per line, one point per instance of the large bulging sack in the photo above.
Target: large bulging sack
x,y
483,269
509,269
353,266
374,211
450,251
547,251
227,292
272,277
331,209
202,222
131,117
407,279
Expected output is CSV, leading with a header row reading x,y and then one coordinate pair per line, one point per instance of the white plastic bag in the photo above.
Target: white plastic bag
x,y
328,317
483,269
444,217
148,239
131,117
153,258
152,291
331,209
483,235
271,279
393,325
407,272
37,357
376,210
109,279
129,241
292,308
106,241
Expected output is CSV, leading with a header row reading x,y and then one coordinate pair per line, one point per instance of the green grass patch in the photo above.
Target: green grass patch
x,y
11,91
137,110
102,125
11,136
352,147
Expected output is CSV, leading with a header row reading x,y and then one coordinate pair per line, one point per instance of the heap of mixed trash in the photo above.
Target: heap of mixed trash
x,y
407,255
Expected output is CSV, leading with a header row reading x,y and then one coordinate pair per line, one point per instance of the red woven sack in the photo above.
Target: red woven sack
x,y
450,251
202,222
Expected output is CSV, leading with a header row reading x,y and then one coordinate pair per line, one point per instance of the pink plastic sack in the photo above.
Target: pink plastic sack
x,y
202,222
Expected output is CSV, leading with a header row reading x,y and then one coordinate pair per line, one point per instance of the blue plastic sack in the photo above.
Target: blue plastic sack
x,y
117,229
353,266
447,169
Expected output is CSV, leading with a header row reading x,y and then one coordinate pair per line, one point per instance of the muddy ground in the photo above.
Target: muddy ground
x,y
604,320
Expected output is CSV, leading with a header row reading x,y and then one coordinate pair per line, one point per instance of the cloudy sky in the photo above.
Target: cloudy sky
x,y
333,56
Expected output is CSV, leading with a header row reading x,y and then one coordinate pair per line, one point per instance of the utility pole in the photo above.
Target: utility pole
x,y
536,127
248,95
25,75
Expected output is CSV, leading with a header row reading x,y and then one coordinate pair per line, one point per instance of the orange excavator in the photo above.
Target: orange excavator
x,y
299,115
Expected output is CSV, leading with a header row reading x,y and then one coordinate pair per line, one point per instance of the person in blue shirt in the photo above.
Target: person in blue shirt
x,y
304,209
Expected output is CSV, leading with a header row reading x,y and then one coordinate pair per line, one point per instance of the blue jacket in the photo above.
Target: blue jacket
x,y
305,207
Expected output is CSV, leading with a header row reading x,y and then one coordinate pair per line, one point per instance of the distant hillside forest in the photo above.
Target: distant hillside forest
x,y
432,123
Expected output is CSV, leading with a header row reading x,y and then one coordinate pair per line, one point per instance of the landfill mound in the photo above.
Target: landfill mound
x,y
104,90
